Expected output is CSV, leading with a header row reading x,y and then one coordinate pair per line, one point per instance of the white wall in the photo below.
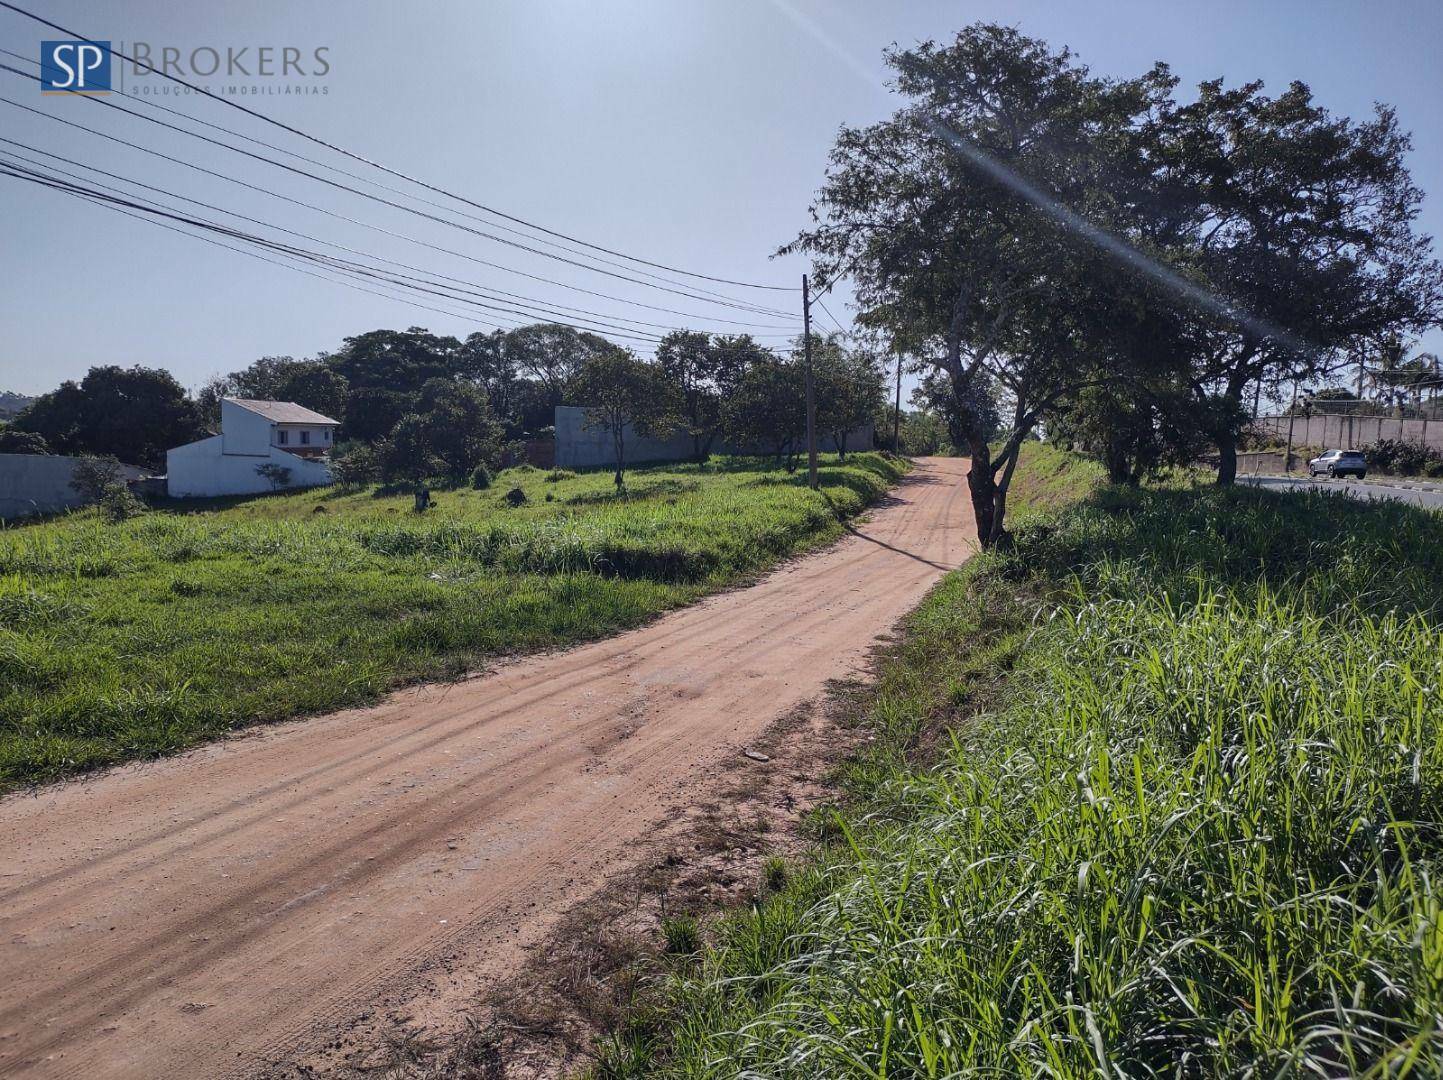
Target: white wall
x,y
1351,432
202,470
244,432
319,435
40,484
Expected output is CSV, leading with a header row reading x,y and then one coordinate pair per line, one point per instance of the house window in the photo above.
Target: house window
x,y
326,434
305,438
282,436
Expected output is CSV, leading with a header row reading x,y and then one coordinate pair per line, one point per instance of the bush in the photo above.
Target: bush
x,y
278,476
94,476
358,466
21,442
683,936
774,873
1402,458
515,497
480,478
100,480
556,475
119,504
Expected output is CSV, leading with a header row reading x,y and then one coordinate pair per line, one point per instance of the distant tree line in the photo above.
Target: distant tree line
x,y
414,404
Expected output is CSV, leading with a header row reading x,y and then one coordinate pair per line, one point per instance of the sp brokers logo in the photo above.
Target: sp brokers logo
x,y
75,67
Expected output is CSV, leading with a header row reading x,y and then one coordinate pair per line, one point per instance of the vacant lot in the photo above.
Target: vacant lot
x,y
1187,818
137,639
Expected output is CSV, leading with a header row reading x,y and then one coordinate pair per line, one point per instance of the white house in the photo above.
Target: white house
x,y
252,433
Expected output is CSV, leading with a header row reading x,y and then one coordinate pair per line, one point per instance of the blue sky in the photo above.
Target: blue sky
x,y
693,134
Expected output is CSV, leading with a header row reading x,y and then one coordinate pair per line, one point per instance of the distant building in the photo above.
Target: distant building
x,y
252,434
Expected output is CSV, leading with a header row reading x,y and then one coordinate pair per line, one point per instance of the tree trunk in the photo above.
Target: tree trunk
x,y
983,489
1227,458
1119,468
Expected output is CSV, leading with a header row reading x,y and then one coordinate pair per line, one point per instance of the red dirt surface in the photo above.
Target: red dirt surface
x,y
242,908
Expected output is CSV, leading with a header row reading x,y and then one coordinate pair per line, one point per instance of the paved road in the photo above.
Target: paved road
x,y
231,911
1433,500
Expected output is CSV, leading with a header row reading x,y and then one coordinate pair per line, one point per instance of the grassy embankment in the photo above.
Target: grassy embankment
x,y
138,639
1193,831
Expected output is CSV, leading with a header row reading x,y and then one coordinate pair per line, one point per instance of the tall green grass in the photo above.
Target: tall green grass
x,y
129,640
1184,819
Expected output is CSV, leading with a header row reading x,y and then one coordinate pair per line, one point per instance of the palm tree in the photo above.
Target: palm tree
x,y
1399,379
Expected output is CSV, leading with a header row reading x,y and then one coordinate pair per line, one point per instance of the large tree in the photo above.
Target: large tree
x,y
312,383
133,414
485,360
399,361
767,409
553,355
689,360
850,387
450,433
623,393
1301,224
958,220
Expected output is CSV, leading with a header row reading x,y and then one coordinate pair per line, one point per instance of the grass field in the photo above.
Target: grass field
x,y
122,641
1157,793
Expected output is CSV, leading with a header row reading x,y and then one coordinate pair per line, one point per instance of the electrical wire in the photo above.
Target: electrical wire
x,y
343,172
331,262
388,232
696,294
560,311
400,175
830,316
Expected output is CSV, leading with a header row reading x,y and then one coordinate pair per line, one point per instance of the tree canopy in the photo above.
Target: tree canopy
x,y
1022,221
133,414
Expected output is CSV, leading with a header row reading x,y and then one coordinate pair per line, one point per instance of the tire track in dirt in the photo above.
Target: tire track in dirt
x,y
220,912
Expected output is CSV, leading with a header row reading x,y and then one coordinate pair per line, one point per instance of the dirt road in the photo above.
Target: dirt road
x,y
230,910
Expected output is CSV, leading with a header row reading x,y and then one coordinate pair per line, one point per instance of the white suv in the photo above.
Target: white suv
x,y
1335,463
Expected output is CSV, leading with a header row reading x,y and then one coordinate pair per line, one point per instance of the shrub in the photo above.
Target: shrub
x,y
774,873
94,476
559,474
278,476
358,466
21,442
1401,457
515,497
119,503
683,936
480,478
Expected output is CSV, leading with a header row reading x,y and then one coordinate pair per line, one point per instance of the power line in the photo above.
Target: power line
x,y
331,262
830,316
400,175
343,172
696,294
273,262
336,169
554,310
367,225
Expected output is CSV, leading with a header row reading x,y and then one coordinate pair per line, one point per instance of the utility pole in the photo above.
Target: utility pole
x,y
897,410
1292,411
811,393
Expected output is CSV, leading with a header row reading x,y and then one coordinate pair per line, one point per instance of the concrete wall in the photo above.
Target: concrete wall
x,y
242,431
1351,432
204,470
40,484
580,447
